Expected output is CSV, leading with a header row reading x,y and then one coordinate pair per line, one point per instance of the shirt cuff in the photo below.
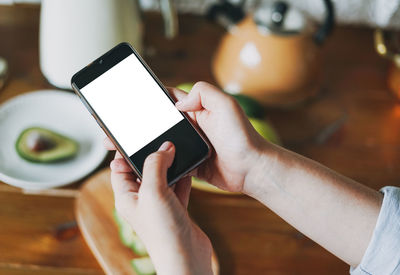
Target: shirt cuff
x,y
383,253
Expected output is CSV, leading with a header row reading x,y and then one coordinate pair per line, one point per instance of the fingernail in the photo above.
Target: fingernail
x,y
166,146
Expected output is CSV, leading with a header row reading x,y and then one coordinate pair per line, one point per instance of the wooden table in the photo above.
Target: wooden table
x,y
352,127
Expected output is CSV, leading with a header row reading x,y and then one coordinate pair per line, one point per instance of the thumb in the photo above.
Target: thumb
x,y
155,169
204,96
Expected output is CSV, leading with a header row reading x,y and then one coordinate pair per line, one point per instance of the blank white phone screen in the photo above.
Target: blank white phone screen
x,y
131,104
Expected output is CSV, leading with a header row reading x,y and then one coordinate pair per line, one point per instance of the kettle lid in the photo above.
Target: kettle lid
x,y
281,19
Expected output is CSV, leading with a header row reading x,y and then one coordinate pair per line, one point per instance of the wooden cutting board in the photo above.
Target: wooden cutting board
x,y
94,212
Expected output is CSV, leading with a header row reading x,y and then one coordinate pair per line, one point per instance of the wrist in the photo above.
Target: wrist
x,y
182,250
265,172
186,254
169,257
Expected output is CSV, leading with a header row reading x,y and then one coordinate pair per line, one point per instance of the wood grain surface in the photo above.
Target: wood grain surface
x,y
94,213
353,127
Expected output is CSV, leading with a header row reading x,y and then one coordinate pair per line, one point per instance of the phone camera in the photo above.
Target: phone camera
x,y
101,61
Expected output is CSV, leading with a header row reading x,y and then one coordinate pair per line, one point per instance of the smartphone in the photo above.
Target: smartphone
x,y
136,111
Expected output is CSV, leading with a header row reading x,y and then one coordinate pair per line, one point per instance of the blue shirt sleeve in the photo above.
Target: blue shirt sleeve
x,y
383,253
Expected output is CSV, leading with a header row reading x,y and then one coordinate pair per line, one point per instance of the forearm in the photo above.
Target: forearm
x,y
169,258
181,248
334,211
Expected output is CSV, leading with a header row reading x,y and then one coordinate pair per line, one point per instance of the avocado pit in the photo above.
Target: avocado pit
x,y
38,142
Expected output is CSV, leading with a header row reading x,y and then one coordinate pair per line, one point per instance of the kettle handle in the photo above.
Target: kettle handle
x,y
170,18
326,28
226,13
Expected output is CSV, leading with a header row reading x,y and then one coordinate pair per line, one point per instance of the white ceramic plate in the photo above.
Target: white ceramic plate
x,y
56,110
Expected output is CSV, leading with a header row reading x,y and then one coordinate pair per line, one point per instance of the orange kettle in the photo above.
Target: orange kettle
x,y
272,55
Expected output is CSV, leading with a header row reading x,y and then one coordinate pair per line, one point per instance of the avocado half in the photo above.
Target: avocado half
x,y
60,147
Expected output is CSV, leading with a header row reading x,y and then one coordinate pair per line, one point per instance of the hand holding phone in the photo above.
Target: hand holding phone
x,y
136,112
235,143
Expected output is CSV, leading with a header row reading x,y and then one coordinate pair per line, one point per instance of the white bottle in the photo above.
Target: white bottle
x,y
75,32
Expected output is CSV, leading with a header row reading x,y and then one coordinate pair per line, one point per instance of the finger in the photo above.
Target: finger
x,y
182,190
125,190
123,183
204,96
108,144
176,93
192,173
120,165
179,95
155,168
118,155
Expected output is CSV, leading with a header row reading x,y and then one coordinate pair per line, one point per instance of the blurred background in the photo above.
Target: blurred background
x,y
319,77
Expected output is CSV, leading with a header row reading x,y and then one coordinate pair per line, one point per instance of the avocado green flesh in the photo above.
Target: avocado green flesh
x,y
128,236
64,147
143,266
